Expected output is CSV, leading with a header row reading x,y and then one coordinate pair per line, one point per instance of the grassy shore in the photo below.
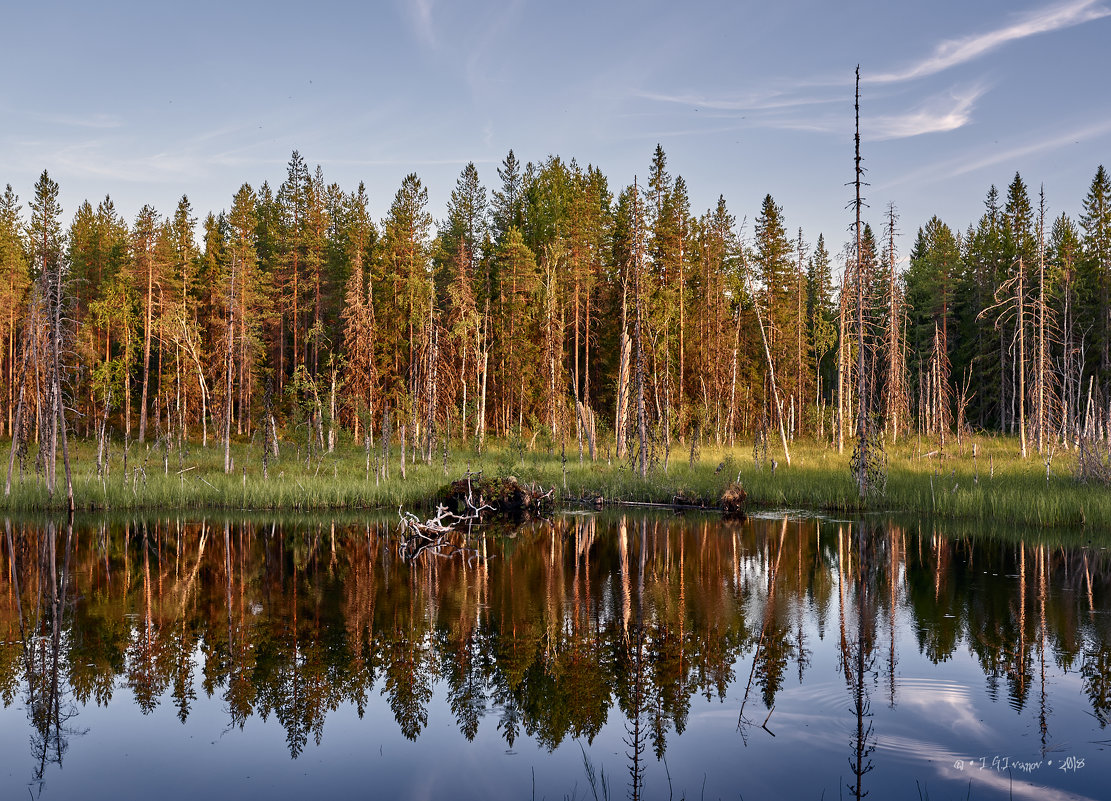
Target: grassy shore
x,y
997,485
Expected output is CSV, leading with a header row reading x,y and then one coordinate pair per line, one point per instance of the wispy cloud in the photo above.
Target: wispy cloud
x,y
93,121
763,101
952,168
953,52
938,114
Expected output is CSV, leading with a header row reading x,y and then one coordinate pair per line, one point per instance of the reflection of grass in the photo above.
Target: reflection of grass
x,y
996,486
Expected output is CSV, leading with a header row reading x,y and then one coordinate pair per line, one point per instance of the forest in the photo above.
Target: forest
x,y
553,306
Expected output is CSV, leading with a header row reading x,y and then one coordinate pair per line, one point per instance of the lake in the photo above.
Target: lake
x,y
589,656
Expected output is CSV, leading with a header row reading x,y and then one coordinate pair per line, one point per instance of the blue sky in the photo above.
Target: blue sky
x,y
146,101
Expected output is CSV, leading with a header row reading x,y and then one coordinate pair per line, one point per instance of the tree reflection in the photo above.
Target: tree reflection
x,y
858,645
40,608
546,634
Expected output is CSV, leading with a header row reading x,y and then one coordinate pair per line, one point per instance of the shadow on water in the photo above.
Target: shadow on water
x,y
703,655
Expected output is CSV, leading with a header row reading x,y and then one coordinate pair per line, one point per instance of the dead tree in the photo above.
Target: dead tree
x,y
868,461
1045,396
896,401
45,320
844,366
1010,301
58,423
771,379
438,535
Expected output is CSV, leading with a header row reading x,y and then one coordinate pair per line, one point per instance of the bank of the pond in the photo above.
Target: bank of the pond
x,y
994,485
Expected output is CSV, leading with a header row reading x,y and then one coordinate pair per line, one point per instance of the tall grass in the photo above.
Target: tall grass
x,y
997,485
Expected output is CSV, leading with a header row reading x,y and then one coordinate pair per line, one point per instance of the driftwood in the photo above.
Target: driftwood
x,y
437,535
733,503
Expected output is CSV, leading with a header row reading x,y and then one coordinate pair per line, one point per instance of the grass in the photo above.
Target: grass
x,y
995,487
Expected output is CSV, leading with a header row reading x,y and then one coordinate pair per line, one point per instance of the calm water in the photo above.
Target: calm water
x,y
665,657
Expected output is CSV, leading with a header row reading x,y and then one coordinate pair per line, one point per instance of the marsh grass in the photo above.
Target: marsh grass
x,y
996,486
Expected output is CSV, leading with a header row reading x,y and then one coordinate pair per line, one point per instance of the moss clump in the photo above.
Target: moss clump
x,y
502,494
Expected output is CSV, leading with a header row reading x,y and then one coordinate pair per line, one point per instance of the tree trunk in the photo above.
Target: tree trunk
x,y
146,348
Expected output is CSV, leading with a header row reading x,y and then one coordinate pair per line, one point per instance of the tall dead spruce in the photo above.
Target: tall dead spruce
x,y
869,462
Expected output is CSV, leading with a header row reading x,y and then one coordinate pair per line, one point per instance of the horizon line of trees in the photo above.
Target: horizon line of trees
x,y
548,305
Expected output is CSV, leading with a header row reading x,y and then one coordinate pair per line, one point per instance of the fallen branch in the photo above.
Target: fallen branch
x,y
435,535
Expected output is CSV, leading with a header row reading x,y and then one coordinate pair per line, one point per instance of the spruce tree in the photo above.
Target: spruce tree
x,y
1095,222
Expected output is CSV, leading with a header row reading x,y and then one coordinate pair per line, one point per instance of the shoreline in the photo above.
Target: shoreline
x,y
995,486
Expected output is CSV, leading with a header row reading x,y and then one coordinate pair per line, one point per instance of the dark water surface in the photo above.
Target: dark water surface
x,y
665,657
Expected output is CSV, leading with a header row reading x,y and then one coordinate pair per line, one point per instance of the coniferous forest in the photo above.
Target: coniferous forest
x,y
551,303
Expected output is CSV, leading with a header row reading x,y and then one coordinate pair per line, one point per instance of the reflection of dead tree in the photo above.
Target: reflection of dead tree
x,y
893,547
635,734
769,617
858,662
1043,706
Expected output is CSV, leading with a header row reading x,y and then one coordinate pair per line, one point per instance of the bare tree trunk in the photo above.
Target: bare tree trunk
x,y
621,422
771,378
800,325
1021,300
228,364
842,367
59,404
682,345
17,424
146,347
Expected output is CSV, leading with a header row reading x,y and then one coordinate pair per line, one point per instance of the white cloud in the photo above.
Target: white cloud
x,y
953,52
938,114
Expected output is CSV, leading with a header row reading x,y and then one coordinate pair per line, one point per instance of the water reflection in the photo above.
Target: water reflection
x,y
563,630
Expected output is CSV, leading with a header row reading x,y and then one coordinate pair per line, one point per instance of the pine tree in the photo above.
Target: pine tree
x,y
146,268
45,325
1095,222
293,199
1065,254
984,259
896,398
460,256
509,202
410,315
821,316
241,267
516,350
780,299
1020,247
931,282
181,311
360,329
14,283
